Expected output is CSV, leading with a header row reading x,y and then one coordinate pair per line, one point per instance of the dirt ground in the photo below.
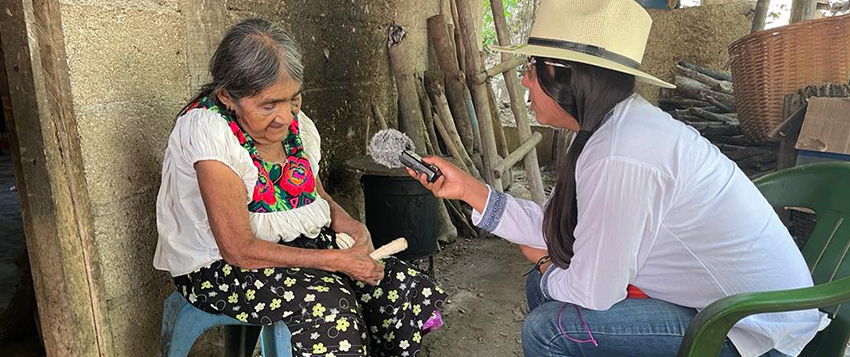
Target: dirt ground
x,y
487,293
487,303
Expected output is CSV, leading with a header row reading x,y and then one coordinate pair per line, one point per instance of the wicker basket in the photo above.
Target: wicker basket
x,y
769,64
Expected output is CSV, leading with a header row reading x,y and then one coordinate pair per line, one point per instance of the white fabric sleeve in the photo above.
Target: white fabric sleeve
x,y
311,140
516,220
620,202
205,135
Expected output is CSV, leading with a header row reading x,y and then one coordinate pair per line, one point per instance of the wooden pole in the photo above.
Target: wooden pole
x,y
382,122
519,153
444,117
532,166
760,16
509,62
460,47
410,118
479,93
501,142
802,10
427,114
439,36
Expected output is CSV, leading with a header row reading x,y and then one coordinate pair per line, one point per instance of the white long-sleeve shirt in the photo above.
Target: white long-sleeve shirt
x,y
661,208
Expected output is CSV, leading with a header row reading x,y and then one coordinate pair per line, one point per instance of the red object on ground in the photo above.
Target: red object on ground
x,y
634,293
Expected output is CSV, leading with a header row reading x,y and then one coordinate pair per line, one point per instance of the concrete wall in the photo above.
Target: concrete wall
x,y
134,63
699,35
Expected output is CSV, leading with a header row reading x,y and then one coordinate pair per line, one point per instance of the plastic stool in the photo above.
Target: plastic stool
x,y
182,323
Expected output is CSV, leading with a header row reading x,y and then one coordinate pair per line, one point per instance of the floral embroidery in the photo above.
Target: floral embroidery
x,y
279,187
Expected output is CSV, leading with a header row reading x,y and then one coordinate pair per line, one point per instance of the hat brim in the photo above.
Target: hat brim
x,y
569,55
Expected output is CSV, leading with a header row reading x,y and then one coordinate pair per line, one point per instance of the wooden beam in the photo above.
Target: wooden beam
x,y
427,114
454,79
508,63
410,113
518,154
479,93
531,164
57,216
802,10
760,15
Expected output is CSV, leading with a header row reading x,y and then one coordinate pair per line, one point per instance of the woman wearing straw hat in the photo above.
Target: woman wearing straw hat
x,y
642,203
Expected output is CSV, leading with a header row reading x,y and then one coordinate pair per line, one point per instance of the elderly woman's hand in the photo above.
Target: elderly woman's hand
x,y
361,235
358,265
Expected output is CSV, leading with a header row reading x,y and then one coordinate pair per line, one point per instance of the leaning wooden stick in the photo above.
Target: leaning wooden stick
x,y
398,245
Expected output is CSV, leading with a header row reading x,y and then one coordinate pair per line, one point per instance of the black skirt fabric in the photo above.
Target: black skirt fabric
x,y
328,313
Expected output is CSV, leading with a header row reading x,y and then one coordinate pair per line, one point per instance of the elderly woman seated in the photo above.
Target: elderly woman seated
x,y
247,230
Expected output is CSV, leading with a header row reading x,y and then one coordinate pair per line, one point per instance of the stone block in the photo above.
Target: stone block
x,y
340,113
118,55
123,145
146,5
136,320
126,240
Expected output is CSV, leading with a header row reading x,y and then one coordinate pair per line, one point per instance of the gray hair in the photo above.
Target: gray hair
x,y
252,56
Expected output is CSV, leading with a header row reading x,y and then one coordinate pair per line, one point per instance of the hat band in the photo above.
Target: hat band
x,y
586,49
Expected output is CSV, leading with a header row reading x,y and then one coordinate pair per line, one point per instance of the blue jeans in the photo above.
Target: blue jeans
x,y
630,328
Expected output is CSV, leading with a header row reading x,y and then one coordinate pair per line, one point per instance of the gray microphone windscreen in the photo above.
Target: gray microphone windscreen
x,y
386,146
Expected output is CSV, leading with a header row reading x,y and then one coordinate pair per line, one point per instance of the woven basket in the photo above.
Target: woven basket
x,y
769,64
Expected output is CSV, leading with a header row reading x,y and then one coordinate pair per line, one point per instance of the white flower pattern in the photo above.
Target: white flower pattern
x,y
323,305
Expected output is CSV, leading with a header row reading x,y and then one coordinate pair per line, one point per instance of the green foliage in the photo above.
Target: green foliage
x,y
489,27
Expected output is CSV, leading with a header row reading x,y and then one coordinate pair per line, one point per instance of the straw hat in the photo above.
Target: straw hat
x,y
610,34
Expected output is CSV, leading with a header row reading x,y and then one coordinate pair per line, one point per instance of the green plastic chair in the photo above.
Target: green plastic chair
x,y
825,189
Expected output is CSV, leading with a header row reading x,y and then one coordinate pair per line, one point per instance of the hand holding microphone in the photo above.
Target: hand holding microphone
x,y
393,149
389,147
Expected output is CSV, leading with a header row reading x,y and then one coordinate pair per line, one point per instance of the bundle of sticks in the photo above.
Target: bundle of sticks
x,y
704,99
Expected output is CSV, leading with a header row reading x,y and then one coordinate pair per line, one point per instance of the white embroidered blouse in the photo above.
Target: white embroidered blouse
x,y
186,242
661,208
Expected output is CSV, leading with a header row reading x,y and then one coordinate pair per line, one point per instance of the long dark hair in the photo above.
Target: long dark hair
x,y
588,93
253,55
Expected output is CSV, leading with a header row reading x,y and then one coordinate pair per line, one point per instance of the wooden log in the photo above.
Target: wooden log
x,y
459,220
518,106
518,154
460,46
433,81
760,15
467,25
802,10
715,84
455,83
731,140
444,116
723,76
508,64
697,90
382,122
742,152
473,117
710,128
681,103
410,114
723,107
501,143
701,113
427,115
689,119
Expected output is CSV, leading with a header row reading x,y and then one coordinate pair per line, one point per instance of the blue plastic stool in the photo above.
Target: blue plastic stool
x,y
182,323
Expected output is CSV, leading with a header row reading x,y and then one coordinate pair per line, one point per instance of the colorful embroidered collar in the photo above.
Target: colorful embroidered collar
x,y
278,188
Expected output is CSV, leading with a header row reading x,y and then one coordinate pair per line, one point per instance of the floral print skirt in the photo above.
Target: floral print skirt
x,y
328,313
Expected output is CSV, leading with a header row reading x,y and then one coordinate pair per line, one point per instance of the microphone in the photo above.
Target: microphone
x,y
393,149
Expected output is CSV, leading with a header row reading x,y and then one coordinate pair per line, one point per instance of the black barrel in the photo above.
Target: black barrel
x,y
401,207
